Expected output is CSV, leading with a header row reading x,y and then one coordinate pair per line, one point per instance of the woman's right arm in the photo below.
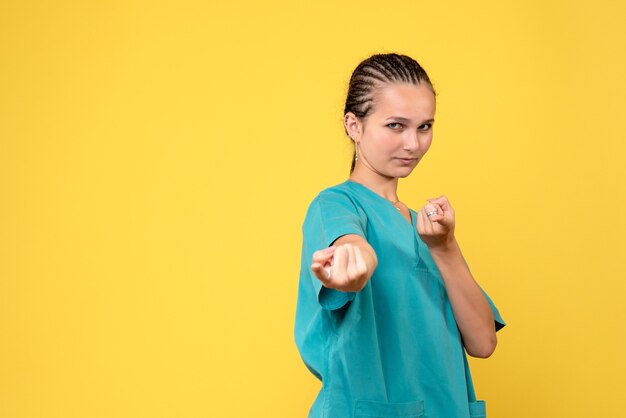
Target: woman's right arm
x,y
350,260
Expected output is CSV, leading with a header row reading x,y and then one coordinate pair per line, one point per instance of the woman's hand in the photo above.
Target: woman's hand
x,y
436,230
342,267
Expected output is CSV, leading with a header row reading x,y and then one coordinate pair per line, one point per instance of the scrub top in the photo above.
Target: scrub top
x,y
392,349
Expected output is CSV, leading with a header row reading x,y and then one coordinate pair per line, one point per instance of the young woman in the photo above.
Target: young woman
x,y
387,307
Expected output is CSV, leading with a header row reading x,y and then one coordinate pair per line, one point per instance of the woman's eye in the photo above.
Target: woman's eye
x,y
394,125
425,126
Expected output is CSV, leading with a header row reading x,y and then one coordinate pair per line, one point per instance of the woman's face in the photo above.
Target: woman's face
x,y
394,138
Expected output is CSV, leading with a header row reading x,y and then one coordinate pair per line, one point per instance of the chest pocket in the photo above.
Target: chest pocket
x,y
371,409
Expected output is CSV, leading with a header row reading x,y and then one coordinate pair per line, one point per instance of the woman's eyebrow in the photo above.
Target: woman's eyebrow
x,y
400,118
405,120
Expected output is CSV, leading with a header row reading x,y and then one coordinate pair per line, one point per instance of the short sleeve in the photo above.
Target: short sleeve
x,y
496,314
331,215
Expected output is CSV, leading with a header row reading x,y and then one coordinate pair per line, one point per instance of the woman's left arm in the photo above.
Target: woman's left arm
x,y
469,305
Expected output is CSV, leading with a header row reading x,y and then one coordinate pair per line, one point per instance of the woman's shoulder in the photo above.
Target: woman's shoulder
x,y
340,189
341,195
336,208
344,192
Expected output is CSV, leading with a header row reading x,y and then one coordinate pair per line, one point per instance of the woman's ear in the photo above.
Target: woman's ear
x,y
352,124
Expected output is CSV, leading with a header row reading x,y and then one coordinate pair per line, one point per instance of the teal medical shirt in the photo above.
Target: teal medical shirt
x,y
392,349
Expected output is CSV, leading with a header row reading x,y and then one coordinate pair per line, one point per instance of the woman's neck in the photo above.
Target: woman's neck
x,y
387,187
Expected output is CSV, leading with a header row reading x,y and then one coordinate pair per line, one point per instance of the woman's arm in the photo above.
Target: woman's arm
x,y
469,305
471,310
346,265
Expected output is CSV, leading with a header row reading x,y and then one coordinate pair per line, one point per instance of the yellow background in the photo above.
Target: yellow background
x,y
157,159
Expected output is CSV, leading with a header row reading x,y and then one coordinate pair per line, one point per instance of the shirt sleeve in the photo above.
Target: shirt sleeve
x,y
496,314
499,322
330,216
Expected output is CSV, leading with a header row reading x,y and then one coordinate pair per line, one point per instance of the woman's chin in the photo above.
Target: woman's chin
x,y
404,172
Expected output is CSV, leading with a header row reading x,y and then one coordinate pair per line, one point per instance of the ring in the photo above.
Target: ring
x,y
328,274
431,213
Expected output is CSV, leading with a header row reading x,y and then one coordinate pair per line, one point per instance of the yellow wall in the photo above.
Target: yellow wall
x,y
156,160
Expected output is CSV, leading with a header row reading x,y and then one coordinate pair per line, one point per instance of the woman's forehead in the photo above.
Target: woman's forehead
x,y
407,101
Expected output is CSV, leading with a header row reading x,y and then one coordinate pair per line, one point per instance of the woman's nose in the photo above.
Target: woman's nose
x,y
410,142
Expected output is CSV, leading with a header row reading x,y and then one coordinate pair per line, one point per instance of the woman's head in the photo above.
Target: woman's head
x,y
387,80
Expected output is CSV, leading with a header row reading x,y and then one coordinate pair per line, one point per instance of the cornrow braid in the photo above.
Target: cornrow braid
x,y
372,74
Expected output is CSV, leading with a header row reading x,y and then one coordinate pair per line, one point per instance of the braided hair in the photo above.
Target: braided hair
x,y
372,74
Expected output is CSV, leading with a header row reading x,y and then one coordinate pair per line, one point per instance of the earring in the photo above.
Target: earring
x,y
356,151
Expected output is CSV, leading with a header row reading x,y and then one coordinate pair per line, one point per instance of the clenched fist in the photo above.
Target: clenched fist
x,y
436,229
342,267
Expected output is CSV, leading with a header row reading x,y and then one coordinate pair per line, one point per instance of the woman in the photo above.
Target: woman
x,y
387,307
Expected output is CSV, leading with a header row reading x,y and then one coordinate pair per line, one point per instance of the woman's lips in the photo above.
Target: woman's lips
x,y
406,161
